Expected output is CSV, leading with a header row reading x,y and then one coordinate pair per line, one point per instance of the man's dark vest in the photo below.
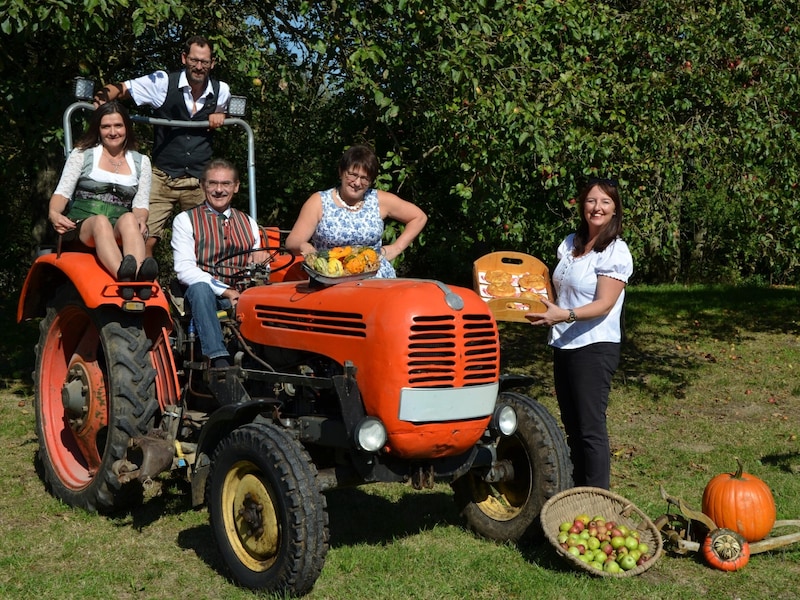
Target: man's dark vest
x,y
217,237
183,151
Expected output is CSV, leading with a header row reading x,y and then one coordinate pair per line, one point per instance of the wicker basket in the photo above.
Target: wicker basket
x,y
566,505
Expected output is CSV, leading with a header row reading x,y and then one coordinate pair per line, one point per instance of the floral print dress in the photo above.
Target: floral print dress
x,y
342,227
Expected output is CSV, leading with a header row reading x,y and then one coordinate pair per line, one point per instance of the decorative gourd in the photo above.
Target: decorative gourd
x,y
340,251
370,258
355,264
741,502
726,550
343,260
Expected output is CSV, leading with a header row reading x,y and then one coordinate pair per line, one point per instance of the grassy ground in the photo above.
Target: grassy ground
x,y
708,375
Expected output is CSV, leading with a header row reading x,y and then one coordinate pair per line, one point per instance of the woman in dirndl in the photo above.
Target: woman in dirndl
x,y
102,198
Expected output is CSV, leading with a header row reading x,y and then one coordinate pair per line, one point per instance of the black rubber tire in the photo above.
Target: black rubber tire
x,y
275,470
509,511
110,350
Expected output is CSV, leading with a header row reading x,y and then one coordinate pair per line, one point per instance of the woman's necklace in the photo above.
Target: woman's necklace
x,y
352,208
115,163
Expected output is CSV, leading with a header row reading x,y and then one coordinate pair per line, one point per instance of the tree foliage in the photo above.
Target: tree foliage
x,y
488,114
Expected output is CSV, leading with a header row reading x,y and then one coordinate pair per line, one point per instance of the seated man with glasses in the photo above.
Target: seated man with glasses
x,y
202,237
179,154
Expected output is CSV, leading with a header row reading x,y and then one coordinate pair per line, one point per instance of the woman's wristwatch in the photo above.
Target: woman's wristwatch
x,y
571,318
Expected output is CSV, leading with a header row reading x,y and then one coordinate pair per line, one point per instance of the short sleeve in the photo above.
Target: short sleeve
x,y
149,90
565,246
224,99
616,262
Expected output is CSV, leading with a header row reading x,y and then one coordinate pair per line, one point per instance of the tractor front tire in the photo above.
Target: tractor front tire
x,y
538,452
267,512
94,391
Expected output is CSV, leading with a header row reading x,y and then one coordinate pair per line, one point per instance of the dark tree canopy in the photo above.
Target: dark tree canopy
x,y
489,115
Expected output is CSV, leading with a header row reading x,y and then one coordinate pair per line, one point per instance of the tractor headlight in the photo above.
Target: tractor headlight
x,y
370,434
504,420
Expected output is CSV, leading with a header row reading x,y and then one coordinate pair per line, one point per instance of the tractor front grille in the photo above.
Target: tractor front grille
x,y
453,351
319,321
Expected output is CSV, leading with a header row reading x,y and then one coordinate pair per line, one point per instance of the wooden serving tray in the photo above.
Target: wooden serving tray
x,y
515,303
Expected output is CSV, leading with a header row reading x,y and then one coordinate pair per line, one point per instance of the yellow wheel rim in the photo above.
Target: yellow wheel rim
x,y
251,524
504,501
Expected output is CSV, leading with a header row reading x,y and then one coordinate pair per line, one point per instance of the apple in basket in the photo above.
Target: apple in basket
x,y
603,544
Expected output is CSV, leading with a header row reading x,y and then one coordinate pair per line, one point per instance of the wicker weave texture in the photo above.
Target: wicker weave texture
x,y
570,503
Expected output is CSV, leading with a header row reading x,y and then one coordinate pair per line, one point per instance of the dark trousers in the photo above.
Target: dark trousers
x,y
583,381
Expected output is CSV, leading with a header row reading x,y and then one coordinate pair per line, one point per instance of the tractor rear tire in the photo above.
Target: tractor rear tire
x,y
267,512
509,510
94,391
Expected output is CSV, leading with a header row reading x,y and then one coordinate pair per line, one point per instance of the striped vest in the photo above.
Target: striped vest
x,y
217,237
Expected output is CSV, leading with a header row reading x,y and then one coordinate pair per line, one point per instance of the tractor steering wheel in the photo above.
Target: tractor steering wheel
x,y
257,270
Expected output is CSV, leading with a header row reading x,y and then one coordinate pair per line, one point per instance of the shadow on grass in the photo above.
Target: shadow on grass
x,y
355,517
540,553
358,517
786,462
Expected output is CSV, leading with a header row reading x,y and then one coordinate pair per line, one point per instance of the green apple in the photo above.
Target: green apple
x,y
627,562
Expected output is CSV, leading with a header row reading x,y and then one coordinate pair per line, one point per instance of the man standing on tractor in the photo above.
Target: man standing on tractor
x,y
179,154
204,236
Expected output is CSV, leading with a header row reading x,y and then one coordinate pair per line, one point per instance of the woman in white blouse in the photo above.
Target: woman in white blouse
x,y
102,198
586,327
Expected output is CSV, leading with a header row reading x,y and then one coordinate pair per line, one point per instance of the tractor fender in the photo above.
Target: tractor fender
x,y
221,422
94,284
511,381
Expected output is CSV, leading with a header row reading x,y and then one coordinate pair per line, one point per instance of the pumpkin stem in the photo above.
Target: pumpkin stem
x,y
739,470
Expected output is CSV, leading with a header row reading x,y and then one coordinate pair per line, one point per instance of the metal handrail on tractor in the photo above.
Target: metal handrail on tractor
x,y
251,146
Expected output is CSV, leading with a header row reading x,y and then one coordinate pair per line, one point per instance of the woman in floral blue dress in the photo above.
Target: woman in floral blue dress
x,y
353,213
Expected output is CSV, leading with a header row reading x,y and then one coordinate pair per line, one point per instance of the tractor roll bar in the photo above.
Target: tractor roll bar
x,y
251,146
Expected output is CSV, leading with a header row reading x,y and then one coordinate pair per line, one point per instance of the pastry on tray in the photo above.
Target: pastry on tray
x,y
497,276
501,290
532,281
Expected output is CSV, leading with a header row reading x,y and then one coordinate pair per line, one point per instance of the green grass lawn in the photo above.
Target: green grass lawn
x,y
709,374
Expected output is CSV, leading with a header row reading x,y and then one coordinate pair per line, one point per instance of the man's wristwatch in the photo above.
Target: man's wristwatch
x,y
571,318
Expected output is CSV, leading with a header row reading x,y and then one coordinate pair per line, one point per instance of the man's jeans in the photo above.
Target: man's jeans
x,y
204,304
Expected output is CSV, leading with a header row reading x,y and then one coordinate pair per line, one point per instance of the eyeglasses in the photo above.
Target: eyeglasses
x,y
609,182
355,176
198,61
223,184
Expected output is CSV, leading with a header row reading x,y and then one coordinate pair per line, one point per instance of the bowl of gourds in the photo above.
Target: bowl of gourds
x,y
342,263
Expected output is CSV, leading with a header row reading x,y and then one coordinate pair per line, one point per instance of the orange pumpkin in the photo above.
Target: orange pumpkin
x,y
741,502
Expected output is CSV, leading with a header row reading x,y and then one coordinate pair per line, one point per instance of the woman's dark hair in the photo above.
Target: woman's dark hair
x,y
612,230
91,138
361,156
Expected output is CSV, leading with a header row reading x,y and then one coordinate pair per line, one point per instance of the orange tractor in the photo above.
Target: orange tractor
x,y
334,384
